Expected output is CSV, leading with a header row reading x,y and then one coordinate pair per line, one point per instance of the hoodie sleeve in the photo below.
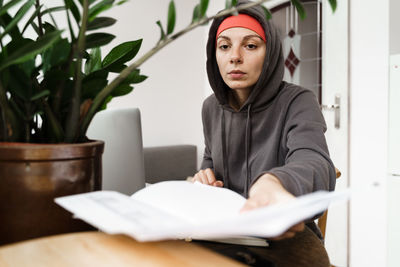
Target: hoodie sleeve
x,y
308,166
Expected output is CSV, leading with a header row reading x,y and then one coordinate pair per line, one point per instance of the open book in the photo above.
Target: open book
x,y
181,210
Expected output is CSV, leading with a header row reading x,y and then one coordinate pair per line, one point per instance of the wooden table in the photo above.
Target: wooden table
x,y
99,249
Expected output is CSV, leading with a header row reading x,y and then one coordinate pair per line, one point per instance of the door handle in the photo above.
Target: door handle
x,y
336,108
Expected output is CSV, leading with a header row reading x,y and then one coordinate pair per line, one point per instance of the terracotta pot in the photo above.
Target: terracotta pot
x,y
32,175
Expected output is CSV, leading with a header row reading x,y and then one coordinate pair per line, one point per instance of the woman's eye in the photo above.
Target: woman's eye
x,y
251,46
223,47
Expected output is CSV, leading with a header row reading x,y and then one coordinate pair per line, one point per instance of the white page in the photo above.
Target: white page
x,y
113,212
195,202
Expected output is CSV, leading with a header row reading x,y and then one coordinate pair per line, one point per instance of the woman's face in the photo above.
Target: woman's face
x,y
240,54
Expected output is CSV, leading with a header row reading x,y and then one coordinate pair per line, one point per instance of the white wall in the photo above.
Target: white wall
x,y
369,51
170,99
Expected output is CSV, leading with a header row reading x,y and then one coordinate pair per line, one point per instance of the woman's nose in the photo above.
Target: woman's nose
x,y
236,56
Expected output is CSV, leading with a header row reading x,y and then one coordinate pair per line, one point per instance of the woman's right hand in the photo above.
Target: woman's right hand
x,y
207,177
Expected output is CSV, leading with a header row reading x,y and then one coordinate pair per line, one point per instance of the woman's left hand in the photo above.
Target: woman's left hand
x,y
269,190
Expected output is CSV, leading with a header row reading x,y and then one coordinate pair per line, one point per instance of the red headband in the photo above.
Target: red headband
x,y
243,21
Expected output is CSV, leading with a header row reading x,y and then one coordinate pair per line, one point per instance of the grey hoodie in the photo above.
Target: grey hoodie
x,y
279,129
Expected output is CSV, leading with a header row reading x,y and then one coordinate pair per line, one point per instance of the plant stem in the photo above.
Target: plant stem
x,y
39,17
99,99
72,124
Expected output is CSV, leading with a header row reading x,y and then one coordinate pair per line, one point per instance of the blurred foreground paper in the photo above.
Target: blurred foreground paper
x,y
180,210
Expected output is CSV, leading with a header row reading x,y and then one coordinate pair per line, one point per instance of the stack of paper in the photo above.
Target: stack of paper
x,y
180,210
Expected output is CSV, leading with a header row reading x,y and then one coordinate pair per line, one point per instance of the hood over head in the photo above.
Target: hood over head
x,y
271,75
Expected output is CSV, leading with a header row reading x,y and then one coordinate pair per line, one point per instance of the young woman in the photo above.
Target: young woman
x,y
264,138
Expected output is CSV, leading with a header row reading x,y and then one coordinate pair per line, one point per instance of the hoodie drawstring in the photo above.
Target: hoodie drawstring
x,y
224,153
247,151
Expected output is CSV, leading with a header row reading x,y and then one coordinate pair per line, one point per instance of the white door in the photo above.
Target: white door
x,y
316,57
335,90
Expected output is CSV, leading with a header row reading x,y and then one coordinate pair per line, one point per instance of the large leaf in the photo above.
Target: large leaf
x,y
135,77
7,6
100,22
30,50
122,89
98,39
300,8
39,95
203,7
267,13
34,15
333,4
5,20
18,83
17,17
94,61
196,13
70,4
162,32
171,17
91,88
56,54
122,53
99,7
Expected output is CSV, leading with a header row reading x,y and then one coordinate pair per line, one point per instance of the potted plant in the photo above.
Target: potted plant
x,y
52,83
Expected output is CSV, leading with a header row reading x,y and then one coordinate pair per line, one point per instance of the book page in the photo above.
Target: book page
x,y
140,216
195,203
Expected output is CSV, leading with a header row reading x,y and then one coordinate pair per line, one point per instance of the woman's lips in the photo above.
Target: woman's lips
x,y
236,74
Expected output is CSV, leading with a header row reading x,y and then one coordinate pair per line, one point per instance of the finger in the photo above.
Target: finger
x,y
218,183
297,228
200,177
210,176
203,177
283,236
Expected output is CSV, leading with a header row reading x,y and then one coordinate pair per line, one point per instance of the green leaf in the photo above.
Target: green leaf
x,y
300,8
267,13
122,2
5,20
17,17
70,4
122,53
34,15
7,6
94,61
39,95
333,4
116,68
234,3
30,50
106,101
98,39
100,22
196,13
161,30
135,77
203,7
18,82
228,4
122,89
171,17
92,87
56,54
99,7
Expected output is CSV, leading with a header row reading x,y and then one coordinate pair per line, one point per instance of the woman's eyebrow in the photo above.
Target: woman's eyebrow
x,y
251,36
224,37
